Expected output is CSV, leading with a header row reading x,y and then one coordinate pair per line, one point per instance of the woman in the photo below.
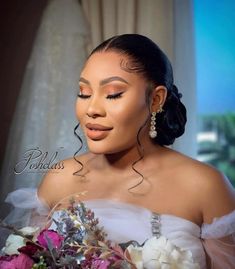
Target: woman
x,y
130,110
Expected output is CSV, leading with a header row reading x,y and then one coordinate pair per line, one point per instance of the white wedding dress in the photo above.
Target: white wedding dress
x,y
124,222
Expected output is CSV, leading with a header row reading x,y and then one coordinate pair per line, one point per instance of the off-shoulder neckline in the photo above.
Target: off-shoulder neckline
x,y
114,201
131,205
215,219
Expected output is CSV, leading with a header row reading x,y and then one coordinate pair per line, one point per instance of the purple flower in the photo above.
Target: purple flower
x,y
50,235
95,262
21,261
100,264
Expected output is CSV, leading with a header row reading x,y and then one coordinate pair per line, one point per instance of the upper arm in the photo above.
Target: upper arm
x,y
217,195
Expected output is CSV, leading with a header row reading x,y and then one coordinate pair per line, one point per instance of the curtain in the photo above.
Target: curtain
x,y
153,18
15,29
44,118
185,73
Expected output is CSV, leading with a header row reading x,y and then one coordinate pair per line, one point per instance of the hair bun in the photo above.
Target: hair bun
x,y
171,122
176,91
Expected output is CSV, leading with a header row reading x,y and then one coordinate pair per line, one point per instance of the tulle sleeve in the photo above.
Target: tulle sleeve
x,y
219,242
28,210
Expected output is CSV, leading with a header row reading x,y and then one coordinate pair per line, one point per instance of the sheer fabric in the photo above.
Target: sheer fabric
x,y
44,117
219,241
124,222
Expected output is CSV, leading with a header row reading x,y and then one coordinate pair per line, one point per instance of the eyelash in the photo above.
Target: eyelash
x,y
111,96
83,96
115,96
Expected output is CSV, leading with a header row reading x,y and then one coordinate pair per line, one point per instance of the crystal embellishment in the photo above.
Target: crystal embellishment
x,y
156,224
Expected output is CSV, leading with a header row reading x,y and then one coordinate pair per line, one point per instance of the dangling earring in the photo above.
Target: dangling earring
x,y
160,110
153,131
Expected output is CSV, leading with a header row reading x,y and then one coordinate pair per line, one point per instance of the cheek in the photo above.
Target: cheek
x,y
129,115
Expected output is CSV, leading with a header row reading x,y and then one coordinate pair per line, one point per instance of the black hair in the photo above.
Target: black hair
x,y
146,58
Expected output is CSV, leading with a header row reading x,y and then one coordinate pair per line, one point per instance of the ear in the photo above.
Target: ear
x,y
158,98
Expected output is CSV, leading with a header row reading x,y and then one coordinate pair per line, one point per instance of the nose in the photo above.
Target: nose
x,y
95,108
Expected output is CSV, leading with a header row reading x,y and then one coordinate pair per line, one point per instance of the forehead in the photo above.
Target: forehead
x,y
108,63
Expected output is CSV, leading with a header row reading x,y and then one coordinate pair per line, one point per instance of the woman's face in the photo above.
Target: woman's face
x,y
111,106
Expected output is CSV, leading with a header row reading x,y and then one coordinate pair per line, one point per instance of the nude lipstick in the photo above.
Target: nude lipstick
x,y
97,131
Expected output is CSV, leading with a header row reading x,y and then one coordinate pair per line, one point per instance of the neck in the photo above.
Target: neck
x,y
125,159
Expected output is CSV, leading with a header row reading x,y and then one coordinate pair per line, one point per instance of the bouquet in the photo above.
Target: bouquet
x,y
79,243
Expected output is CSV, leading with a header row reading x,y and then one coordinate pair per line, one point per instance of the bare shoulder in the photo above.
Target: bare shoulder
x,y
58,183
214,193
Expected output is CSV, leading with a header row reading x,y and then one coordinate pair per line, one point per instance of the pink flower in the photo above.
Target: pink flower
x,y
50,235
95,262
21,261
100,264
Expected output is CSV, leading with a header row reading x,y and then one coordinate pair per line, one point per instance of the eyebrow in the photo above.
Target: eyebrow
x,y
104,81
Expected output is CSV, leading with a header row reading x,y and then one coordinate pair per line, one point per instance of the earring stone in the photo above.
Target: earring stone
x,y
160,110
153,131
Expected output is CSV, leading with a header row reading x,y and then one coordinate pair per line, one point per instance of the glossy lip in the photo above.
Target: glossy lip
x,y
97,131
98,127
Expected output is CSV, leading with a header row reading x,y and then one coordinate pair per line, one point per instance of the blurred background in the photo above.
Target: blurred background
x,y
215,77
44,45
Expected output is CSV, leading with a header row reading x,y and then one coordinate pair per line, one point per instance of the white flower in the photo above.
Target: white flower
x,y
136,256
155,251
160,253
14,242
29,230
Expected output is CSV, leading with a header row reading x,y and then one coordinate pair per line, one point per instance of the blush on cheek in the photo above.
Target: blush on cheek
x,y
135,119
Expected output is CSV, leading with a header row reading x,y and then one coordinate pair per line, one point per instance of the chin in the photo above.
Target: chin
x,y
98,150
96,147
101,147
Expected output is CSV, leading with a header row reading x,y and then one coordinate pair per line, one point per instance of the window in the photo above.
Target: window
x,y
215,67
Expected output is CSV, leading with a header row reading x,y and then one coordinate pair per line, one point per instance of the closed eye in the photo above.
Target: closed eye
x,y
83,96
115,96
